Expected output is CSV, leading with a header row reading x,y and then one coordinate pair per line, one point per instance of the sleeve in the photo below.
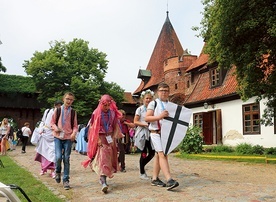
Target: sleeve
x,y
75,128
151,105
53,121
138,111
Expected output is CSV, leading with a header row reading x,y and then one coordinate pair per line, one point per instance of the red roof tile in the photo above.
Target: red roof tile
x,y
128,98
202,60
167,46
202,90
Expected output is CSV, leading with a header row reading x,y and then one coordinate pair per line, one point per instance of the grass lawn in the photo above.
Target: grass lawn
x,y
223,156
35,190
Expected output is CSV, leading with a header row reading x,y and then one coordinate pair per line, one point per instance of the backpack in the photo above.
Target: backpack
x,y
72,116
19,134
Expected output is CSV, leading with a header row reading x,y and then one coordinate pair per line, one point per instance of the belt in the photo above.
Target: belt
x,y
155,131
110,133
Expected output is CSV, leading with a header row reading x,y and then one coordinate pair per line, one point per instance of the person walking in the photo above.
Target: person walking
x,y
45,148
156,111
4,132
65,127
102,135
26,132
124,143
142,134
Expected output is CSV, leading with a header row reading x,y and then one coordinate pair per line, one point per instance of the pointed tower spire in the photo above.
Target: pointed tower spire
x,y
167,46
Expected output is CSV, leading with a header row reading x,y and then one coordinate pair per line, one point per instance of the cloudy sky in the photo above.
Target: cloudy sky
x,y
126,30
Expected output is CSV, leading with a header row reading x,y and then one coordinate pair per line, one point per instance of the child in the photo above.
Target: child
x,y
103,131
132,139
155,115
142,136
14,141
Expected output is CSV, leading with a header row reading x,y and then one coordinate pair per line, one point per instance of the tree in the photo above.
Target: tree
x,y
71,67
2,67
243,34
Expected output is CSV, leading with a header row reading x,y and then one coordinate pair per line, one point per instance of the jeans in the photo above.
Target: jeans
x,y
62,152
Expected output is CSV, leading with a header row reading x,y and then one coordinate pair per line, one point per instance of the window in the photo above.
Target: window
x,y
188,84
251,119
214,74
198,120
217,76
175,86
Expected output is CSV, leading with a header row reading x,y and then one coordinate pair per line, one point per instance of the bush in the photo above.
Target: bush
x,y
222,148
270,151
193,142
257,149
244,148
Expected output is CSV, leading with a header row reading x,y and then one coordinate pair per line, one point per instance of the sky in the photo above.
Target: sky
x,y
126,30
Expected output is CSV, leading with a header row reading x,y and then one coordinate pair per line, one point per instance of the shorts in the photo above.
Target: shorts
x,y
156,141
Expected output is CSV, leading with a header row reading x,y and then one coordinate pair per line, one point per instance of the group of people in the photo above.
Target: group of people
x,y
104,133
9,138
107,137
56,133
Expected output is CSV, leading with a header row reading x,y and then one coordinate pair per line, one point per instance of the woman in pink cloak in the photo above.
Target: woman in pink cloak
x,y
103,131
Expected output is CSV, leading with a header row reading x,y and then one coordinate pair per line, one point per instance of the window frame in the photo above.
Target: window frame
x,y
215,77
198,121
251,112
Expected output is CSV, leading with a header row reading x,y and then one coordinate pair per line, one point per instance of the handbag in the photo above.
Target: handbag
x,y
36,134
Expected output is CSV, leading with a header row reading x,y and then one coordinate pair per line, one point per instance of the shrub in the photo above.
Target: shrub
x,y
270,151
193,142
244,148
257,149
222,148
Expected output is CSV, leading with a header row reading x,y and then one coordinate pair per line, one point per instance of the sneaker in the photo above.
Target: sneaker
x,y
144,176
57,177
171,184
158,183
123,170
104,188
66,185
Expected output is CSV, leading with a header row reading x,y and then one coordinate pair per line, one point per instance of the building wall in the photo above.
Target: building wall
x,y
22,115
232,124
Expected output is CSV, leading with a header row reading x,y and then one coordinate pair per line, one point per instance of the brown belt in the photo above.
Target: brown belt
x,y
155,131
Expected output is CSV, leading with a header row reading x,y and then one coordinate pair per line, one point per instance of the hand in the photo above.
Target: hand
x,y
164,113
73,137
100,143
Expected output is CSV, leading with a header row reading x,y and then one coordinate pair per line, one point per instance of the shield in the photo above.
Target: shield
x,y
174,127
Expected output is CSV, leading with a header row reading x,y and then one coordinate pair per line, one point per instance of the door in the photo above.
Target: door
x,y
207,128
212,131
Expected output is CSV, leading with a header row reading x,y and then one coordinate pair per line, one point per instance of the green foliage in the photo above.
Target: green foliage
x,y
193,142
16,84
243,34
270,151
244,148
35,190
2,67
222,148
72,67
258,149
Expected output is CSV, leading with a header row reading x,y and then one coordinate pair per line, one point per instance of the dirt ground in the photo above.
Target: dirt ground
x,y
200,180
